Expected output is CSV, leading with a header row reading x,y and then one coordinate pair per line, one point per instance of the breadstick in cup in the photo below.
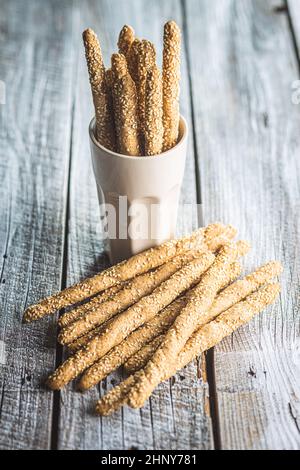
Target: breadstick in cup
x,y
103,112
171,79
125,107
154,130
145,62
126,38
132,60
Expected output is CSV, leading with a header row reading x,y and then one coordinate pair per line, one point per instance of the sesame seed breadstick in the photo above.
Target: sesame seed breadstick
x,y
137,264
145,62
154,130
244,287
184,325
176,305
213,245
157,325
72,315
171,79
109,84
115,398
132,60
138,360
216,242
131,293
205,338
85,339
125,107
126,38
109,79
227,322
103,111
117,351
135,316
233,294
136,340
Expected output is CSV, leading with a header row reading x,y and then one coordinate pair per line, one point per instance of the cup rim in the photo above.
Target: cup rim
x,y
139,157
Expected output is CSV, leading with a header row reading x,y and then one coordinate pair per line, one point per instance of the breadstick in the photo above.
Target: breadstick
x,y
171,79
72,315
145,62
109,79
212,243
115,398
233,294
244,287
137,264
103,111
120,353
135,316
154,130
130,294
184,325
126,38
125,107
139,287
109,85
205,338
228,321
83,340
157,325
138,360
132,60
216,242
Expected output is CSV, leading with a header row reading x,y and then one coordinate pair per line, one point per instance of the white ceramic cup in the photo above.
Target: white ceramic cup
x,y
138,196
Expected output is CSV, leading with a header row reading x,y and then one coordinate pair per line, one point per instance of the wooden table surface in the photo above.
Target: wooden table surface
x,y
239,94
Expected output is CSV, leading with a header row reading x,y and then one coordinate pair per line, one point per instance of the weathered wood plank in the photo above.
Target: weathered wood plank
x,y
36,67
294,14
172,418
243,64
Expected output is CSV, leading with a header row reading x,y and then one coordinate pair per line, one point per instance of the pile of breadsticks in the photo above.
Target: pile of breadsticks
x,y
136,109
155,312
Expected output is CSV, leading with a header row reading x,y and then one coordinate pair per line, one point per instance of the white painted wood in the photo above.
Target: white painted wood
x,y
294,15
242,66
36,67
172,418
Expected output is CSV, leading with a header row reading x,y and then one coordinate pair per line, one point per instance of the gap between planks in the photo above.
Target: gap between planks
x,y
208,358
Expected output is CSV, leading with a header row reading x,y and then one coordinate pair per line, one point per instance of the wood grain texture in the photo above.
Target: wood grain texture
x,y
159,425
36,67
293,7
242,65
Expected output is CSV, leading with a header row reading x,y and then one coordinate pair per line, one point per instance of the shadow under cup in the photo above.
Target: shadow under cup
x,y
138,196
